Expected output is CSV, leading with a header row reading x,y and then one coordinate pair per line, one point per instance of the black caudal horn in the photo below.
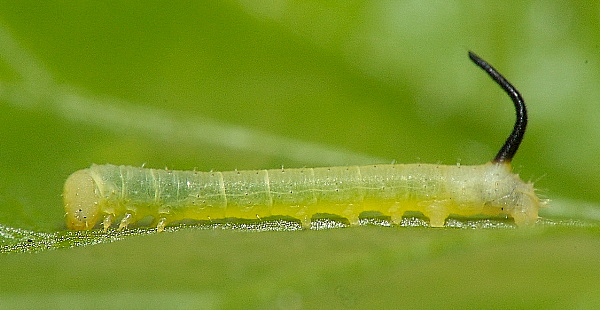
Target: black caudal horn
x,y
510,147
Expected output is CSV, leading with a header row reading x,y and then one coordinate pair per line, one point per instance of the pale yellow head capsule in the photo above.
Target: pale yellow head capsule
x,y
81,202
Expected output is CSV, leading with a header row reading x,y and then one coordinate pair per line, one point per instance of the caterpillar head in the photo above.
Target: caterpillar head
x,y
81,203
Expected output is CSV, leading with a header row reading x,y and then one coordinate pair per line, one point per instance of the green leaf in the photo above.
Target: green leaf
x,y
242,84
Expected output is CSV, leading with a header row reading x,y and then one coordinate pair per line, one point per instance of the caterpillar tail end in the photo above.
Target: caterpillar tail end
x,y
525,218
82,209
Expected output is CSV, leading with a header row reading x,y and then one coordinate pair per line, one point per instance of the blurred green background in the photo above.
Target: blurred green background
x,y
248,84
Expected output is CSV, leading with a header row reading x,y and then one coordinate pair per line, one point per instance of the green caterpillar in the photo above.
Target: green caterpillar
x,y
107,192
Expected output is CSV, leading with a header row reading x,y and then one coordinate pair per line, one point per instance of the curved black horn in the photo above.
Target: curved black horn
x,y
510,147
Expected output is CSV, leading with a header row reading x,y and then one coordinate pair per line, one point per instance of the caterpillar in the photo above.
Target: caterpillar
x,y
105,193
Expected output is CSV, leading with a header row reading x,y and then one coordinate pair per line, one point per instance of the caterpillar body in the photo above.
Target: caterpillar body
x,y
103,193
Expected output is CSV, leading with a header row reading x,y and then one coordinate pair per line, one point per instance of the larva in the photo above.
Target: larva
x,y
107,192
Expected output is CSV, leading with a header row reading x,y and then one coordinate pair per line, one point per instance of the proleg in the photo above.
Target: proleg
x,y
104,194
